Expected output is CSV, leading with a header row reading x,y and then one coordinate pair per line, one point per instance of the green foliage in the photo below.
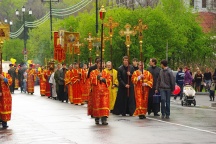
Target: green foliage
x,y
170,22
13,49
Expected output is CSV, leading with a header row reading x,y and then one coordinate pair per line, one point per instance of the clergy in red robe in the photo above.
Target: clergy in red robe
x,y
76,85
31,78
47,76
85,84
143,82
5,99
68,83
100,99
41,75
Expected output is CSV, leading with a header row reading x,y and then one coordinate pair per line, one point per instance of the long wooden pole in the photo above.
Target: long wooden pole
x,y
128,54
102,27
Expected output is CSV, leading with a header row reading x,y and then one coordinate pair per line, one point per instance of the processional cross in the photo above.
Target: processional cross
x,y
111,25
90,40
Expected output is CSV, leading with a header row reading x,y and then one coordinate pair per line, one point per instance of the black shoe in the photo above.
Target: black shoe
x,y
210,100
167,117
149,113
123,114
104,123
156,114
180,98
97,121
5,127
174,98
162,116
142,117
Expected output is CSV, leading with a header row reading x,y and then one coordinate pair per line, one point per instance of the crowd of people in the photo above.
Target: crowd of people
x,y
128,91
200,81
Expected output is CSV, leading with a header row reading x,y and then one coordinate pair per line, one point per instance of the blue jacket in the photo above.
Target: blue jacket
x,y
180,78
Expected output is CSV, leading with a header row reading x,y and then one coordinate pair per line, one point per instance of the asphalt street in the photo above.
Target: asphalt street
x,y
39,120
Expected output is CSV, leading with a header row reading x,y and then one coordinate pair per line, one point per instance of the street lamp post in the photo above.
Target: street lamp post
x,y
102,16
24,39
11,23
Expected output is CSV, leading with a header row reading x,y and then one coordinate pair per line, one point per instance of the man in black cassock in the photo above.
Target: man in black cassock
x,y
154,70
125,101
12,73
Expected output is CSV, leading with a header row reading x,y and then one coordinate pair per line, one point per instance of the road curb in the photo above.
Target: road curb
x,y
197,106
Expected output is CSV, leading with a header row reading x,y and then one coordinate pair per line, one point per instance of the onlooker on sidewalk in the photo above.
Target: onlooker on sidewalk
x,y
165,84
198,79
212,91
188,77
207,79
180,81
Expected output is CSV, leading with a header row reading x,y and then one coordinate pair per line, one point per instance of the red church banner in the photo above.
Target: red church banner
x,y
59,51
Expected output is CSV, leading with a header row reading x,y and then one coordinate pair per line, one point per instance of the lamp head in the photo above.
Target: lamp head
x,y
102,12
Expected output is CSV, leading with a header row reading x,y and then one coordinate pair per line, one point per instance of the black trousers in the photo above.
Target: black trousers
x,y
61,92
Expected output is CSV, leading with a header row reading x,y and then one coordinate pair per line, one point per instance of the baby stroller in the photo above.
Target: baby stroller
x,y
188,96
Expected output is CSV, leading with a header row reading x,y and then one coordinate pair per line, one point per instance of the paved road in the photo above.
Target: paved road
x,y
39,120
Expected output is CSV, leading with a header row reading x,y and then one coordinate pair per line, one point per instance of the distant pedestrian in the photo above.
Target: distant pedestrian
x,y
165,85
212,91
12,73
187,77
198,80
180,81
207,79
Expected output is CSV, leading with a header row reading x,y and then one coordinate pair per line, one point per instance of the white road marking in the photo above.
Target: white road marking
x,y
182,125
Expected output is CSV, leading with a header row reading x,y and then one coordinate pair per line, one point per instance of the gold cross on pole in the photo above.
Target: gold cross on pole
x,y
111,25
127,33
77,46
90,40
140,27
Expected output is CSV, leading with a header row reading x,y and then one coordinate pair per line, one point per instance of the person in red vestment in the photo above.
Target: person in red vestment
x,y
85,84
100,96
47,76
76,86
143,82
68,83
5,99
41,75
31,78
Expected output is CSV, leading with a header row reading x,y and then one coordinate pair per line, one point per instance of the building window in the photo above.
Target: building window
x,y
203,3
192,3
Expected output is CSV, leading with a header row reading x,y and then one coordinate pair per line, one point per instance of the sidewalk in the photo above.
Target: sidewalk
x,y
202,101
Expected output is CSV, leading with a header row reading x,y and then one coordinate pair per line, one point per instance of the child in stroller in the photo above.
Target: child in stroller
x,y
188,96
